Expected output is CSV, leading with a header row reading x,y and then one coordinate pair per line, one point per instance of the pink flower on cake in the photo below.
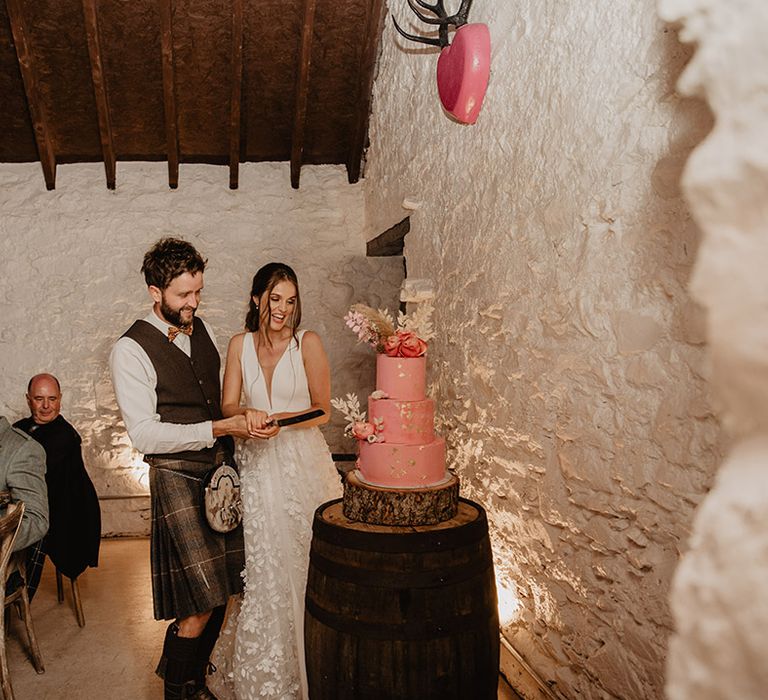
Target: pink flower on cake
x,y
392,345
363,431
404,344
411,345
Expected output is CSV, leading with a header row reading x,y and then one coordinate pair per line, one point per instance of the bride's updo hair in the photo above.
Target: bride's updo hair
x,y
264,281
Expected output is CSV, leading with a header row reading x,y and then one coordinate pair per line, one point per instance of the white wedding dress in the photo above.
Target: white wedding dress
x,y
260,653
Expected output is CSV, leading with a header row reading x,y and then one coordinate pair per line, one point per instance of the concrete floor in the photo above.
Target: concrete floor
x,y
114,655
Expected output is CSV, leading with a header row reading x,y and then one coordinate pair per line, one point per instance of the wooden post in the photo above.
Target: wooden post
x,y
236,93
169,92
29,76
100,90
302,89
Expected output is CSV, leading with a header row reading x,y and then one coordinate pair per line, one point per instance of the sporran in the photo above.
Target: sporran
x,y
220,498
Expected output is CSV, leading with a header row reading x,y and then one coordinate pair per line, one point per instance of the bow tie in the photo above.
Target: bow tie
x,y
173,331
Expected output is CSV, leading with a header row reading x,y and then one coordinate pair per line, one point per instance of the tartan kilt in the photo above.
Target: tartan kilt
x,y
194,569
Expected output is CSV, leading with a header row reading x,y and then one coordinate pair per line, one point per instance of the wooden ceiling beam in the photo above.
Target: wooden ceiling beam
x,y
302,90
169,92
235,105
100,90
368,55
31,88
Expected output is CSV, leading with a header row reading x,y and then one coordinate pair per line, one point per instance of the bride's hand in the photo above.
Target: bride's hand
x,y
256,421
272,426
268,432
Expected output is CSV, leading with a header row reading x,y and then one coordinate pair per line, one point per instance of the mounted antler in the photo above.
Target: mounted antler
x,y
464,66
443,20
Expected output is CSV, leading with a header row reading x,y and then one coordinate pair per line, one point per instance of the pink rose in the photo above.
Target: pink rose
x,y
392,345
411,345
362,431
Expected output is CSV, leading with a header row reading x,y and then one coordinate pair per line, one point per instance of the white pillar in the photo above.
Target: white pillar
x,y
720,591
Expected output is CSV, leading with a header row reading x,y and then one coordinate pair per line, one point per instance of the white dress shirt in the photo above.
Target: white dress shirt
x,y
135,379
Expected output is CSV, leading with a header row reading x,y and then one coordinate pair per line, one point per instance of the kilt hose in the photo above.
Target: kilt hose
x,y
194,569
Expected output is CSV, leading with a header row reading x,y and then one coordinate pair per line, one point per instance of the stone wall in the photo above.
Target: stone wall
x,y
720,598
71,285
569,359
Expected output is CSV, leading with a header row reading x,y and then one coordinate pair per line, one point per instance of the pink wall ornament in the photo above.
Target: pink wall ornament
x,y
464,66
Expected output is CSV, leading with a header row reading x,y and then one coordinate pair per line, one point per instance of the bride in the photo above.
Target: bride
x,y
285,475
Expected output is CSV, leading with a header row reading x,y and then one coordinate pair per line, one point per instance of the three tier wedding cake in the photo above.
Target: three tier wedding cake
x,y
400,476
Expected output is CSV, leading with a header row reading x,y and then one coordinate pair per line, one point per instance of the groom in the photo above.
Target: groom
x,y
165,370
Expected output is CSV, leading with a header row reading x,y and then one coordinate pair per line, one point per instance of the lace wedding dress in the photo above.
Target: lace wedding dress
x,y
260,653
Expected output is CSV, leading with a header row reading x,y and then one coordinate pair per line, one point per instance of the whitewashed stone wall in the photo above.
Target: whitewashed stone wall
x,y
70,283
720,597
569,365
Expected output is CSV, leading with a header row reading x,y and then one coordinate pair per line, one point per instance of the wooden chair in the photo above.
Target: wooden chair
x,y
9,526
75,596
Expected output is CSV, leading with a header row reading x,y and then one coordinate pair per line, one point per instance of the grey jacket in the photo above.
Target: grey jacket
x,y
22,473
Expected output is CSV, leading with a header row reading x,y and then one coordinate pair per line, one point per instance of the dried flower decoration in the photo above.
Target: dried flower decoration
x,y
357,426
371,325
376,328
419,321
350,409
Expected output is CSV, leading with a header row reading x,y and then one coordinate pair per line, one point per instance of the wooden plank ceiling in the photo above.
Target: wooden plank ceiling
x,y
187,81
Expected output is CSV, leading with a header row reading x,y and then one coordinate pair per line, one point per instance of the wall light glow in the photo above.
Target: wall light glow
x,y
510,607
138,468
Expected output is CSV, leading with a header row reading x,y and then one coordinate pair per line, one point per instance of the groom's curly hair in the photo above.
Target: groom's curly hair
x,y
169,258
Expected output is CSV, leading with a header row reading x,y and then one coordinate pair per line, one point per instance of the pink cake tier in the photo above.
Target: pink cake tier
x,y
402,377
409,466
404,422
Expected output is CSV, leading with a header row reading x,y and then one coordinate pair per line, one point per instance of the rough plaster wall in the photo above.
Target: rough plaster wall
x,y
720,599
568,365
70,283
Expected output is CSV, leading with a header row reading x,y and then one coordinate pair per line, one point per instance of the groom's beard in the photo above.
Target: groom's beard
x,y
174,317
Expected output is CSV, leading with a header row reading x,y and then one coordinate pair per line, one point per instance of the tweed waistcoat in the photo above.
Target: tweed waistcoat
x,y
188,388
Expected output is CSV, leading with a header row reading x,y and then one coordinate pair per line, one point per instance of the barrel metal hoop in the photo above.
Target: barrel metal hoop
x,y
385,631
477,567
408,540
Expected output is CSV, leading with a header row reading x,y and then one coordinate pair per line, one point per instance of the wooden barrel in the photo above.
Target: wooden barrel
x,y
401,612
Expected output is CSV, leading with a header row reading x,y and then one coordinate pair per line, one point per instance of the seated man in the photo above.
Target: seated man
x,y
22,475
74,536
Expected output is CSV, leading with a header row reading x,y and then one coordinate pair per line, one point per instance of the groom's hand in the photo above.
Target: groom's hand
x,y
234,425
255,420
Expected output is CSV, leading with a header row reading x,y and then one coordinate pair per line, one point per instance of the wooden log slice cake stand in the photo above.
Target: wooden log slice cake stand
x,y
379,505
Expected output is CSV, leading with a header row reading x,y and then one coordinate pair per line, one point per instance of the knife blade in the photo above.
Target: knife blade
x,y
292,420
